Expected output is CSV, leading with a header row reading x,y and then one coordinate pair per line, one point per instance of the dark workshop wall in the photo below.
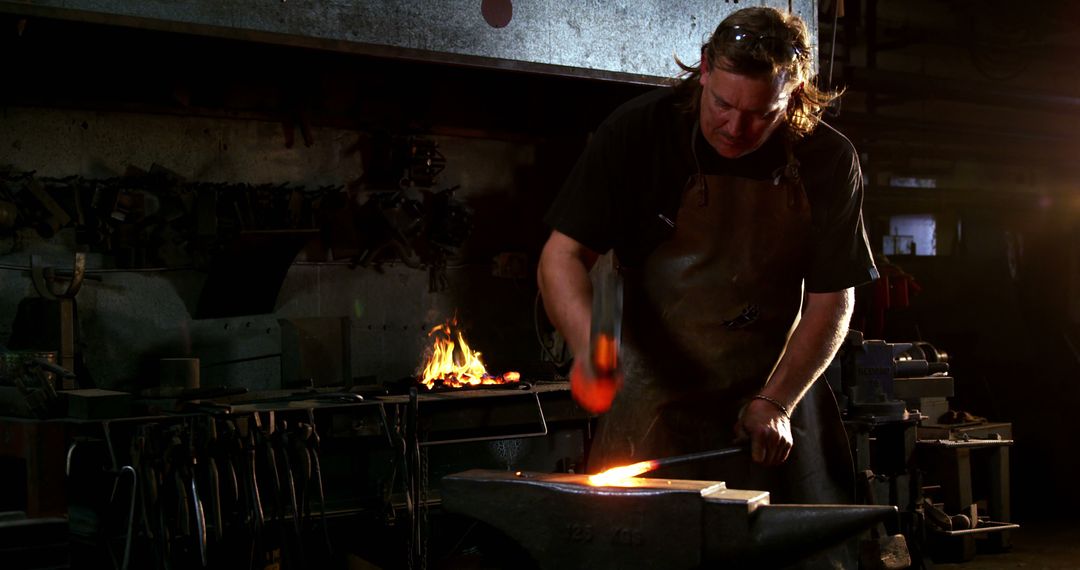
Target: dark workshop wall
x,y
125,316
998,304
96,102
981,98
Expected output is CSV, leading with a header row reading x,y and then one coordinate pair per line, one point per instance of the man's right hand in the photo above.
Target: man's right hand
x,y
592,392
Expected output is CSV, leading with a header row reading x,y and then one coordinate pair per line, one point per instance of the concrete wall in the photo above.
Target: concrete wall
x,y
609,37
128,318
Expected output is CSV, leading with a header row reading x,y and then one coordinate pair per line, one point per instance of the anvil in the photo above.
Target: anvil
x,y
564,522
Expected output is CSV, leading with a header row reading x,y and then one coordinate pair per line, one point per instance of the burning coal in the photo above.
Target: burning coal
x,y
451,363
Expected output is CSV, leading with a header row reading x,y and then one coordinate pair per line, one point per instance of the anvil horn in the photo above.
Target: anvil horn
x,y
783,534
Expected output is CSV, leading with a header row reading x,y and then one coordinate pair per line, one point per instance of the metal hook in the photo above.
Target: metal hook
x,y
45,277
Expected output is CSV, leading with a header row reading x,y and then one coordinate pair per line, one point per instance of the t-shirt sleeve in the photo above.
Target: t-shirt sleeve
x,y
585,209
841,255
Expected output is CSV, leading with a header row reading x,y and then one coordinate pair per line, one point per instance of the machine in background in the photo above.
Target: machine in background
x,y
947,472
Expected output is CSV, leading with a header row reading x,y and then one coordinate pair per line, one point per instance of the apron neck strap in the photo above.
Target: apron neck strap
x,y
790,170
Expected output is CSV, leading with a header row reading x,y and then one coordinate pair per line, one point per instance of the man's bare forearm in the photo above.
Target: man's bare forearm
x,y
563,276
813,344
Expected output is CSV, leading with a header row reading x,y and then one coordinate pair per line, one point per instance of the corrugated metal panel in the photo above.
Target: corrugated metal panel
x,y
619,39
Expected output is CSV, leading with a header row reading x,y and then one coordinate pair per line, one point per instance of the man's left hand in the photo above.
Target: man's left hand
x,y
769,432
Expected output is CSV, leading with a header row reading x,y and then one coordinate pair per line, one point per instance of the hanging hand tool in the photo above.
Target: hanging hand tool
x,y
264,443
313,446
54,217
146,459
209,474
248,515
177,490
234,456
200,517
256,520
283,439
190,515
300,461
131,509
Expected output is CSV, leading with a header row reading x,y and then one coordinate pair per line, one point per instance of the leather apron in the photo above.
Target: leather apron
x,y
705,319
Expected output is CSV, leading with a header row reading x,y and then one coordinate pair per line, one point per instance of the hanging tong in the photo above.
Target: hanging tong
x,y
312,442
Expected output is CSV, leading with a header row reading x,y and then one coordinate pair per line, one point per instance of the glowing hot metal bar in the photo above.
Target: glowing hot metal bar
x,y
617,475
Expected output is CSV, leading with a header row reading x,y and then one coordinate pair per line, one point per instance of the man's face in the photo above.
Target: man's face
x,y
738,113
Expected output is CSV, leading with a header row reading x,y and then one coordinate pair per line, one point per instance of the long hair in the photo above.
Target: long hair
x,y
762,42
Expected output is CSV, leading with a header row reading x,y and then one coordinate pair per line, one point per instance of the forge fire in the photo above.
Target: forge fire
x,y
452,363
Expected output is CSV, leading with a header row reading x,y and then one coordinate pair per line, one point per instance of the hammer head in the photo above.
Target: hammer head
x,y
606,332
595,380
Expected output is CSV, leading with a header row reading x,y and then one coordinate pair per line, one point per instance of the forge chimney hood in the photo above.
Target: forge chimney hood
x,y
618,40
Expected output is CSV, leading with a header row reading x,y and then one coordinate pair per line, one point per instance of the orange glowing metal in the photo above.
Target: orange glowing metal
x,y
618,475
453,364
624,476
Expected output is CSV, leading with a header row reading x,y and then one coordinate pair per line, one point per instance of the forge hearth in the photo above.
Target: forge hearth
x,y
451,363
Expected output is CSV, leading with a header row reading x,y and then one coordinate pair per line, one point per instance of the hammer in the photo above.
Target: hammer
x,y
595,384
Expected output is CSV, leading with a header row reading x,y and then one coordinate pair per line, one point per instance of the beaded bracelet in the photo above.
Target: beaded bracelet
x,y
775,402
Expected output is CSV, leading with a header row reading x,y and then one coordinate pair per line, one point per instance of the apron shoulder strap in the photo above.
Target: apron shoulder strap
x,y
789,172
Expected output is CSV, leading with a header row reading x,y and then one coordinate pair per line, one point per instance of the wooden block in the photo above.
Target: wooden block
x,y
96,404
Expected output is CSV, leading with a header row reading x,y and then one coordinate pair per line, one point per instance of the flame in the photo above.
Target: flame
x,y
453,364
618,476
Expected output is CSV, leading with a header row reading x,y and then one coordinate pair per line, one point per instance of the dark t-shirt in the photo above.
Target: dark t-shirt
x,y
629,180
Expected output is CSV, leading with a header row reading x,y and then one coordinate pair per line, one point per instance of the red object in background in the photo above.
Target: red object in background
x,y
892,291
497,13
898,290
